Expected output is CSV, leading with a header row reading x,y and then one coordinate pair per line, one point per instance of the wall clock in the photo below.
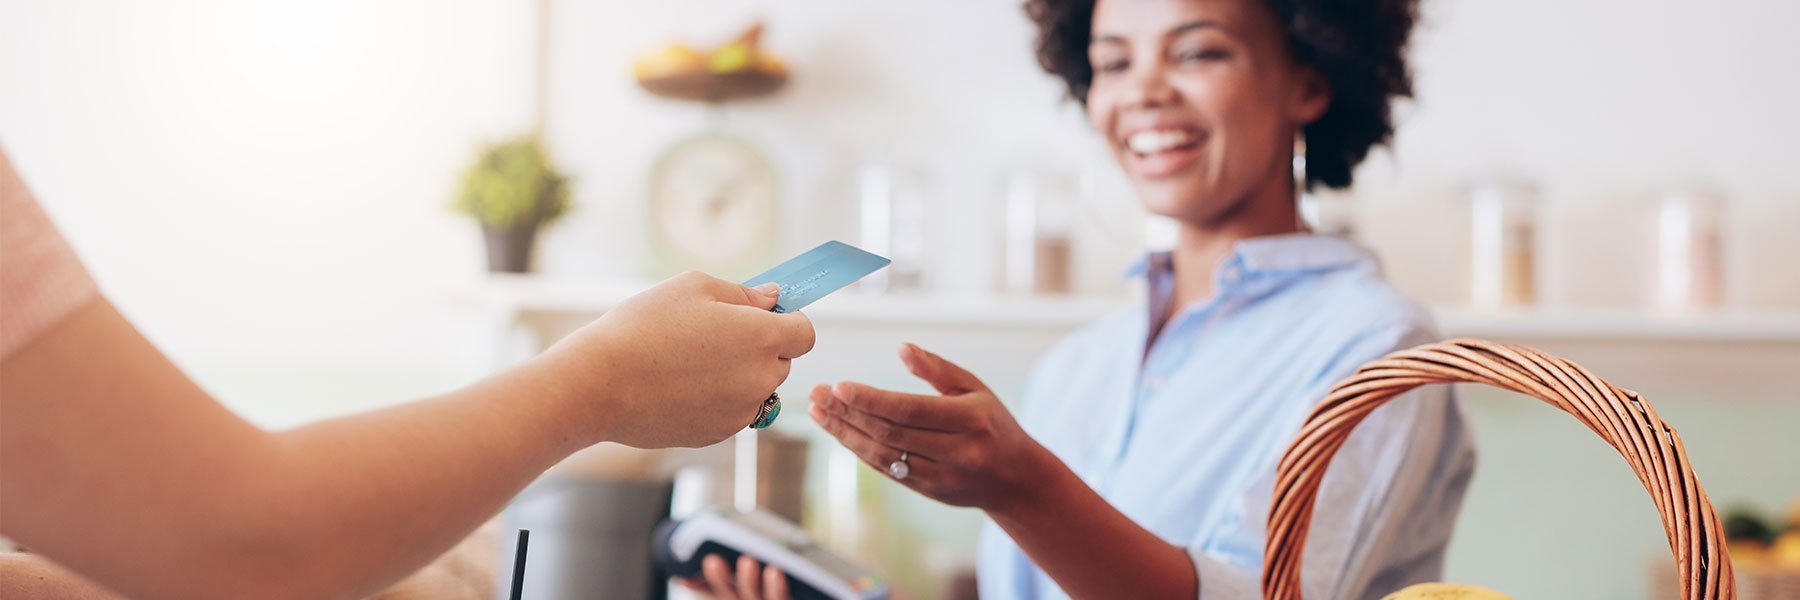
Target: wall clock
x,y
713,208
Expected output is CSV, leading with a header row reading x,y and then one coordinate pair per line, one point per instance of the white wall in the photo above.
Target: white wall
x,y
942,87
1605,103
262,186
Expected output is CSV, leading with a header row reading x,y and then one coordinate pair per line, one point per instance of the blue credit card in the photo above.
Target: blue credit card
x,y
820,271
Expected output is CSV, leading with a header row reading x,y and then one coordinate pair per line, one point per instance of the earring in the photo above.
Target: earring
x,y
1307,214
1301,185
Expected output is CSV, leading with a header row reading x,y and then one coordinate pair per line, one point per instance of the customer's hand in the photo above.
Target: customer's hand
x,y
750,581
685,363
963,448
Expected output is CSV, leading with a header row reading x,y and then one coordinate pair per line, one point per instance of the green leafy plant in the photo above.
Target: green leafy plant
x,y
1745,524
512,185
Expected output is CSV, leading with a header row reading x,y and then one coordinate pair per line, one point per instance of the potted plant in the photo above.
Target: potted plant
x,y
513,190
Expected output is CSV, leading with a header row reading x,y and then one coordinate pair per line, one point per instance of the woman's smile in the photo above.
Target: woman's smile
x,y
1159,151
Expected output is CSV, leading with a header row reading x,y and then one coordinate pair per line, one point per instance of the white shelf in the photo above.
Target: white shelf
x,y
525,294
1621,325
529,294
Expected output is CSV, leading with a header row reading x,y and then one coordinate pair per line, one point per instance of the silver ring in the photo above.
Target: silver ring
x,y
899,469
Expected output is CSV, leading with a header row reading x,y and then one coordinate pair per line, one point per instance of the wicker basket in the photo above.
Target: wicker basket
x,y
1755,581
1619,416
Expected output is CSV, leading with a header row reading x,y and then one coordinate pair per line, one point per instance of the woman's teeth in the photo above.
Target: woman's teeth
x,y
1152,142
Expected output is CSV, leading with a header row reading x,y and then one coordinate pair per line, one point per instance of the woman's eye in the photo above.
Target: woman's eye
x,y
1201,54
1110,66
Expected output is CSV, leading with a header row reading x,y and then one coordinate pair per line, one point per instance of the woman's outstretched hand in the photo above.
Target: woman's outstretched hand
x,y
961,448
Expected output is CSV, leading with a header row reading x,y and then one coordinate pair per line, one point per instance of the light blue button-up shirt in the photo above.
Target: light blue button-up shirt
x,y
1182,435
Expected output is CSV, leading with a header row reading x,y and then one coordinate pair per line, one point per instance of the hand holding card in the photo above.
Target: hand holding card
x,y
684,363
806,278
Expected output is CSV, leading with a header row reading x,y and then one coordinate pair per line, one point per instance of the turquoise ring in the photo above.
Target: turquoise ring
x,y
765,416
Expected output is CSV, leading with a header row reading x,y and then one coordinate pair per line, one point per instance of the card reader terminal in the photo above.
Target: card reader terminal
x,y
813,572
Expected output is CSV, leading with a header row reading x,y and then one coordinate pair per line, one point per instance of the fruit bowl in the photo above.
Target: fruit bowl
x,y
707,86
737,70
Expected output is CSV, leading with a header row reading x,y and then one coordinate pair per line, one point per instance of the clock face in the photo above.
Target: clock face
x,y
713,205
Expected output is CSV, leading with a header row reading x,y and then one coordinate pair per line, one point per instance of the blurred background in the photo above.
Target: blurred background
x,y
268,190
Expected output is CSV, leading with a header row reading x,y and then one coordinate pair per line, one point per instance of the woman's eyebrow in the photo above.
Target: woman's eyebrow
x,y
1113,38
1191,26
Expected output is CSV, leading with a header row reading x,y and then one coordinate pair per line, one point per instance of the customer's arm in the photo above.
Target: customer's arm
x,y
465,572
115,464
26,575
470,571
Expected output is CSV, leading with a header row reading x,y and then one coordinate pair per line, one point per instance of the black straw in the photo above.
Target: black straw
x,y
518,578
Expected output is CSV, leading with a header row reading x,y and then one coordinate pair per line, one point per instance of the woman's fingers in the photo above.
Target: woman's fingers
x,y
921,442
749,581
718,577
874,453
923,412
775,584
797,337
762,297
749,578
944,376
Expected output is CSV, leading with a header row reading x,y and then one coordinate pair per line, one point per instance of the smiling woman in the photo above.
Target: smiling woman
x,y
1142,461
1356,49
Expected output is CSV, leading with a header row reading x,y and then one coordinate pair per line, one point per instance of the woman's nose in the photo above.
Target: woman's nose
x,y
1148,87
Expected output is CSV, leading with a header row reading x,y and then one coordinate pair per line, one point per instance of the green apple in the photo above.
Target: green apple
x,y
731,57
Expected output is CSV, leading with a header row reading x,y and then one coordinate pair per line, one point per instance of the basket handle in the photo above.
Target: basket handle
x,y
1619,416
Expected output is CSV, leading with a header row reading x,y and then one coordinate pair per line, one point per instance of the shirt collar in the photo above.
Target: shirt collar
x,y
1294,252
1255,267
1301,252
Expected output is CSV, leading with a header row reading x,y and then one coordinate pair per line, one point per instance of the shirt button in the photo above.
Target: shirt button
x,y
1157,383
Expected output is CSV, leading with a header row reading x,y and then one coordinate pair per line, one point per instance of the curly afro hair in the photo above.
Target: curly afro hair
x,y
1358,46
